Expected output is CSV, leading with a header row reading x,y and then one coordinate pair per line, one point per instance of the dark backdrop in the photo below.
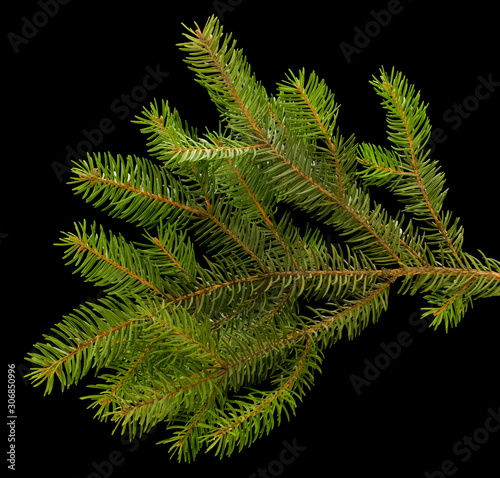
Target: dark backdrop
x,y
73,75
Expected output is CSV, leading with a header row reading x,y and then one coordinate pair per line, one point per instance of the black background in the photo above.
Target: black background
x,y
64,80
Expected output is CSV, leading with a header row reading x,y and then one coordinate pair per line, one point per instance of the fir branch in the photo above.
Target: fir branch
x,y
223,70
409,131
228,295
244,421
93,336
136,189
112,262
313,115
175,143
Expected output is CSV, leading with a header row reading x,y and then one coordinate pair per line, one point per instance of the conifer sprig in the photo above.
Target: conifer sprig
x,y
215,324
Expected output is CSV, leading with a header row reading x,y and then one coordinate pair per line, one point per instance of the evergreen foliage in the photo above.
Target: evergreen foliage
x,y
226,293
